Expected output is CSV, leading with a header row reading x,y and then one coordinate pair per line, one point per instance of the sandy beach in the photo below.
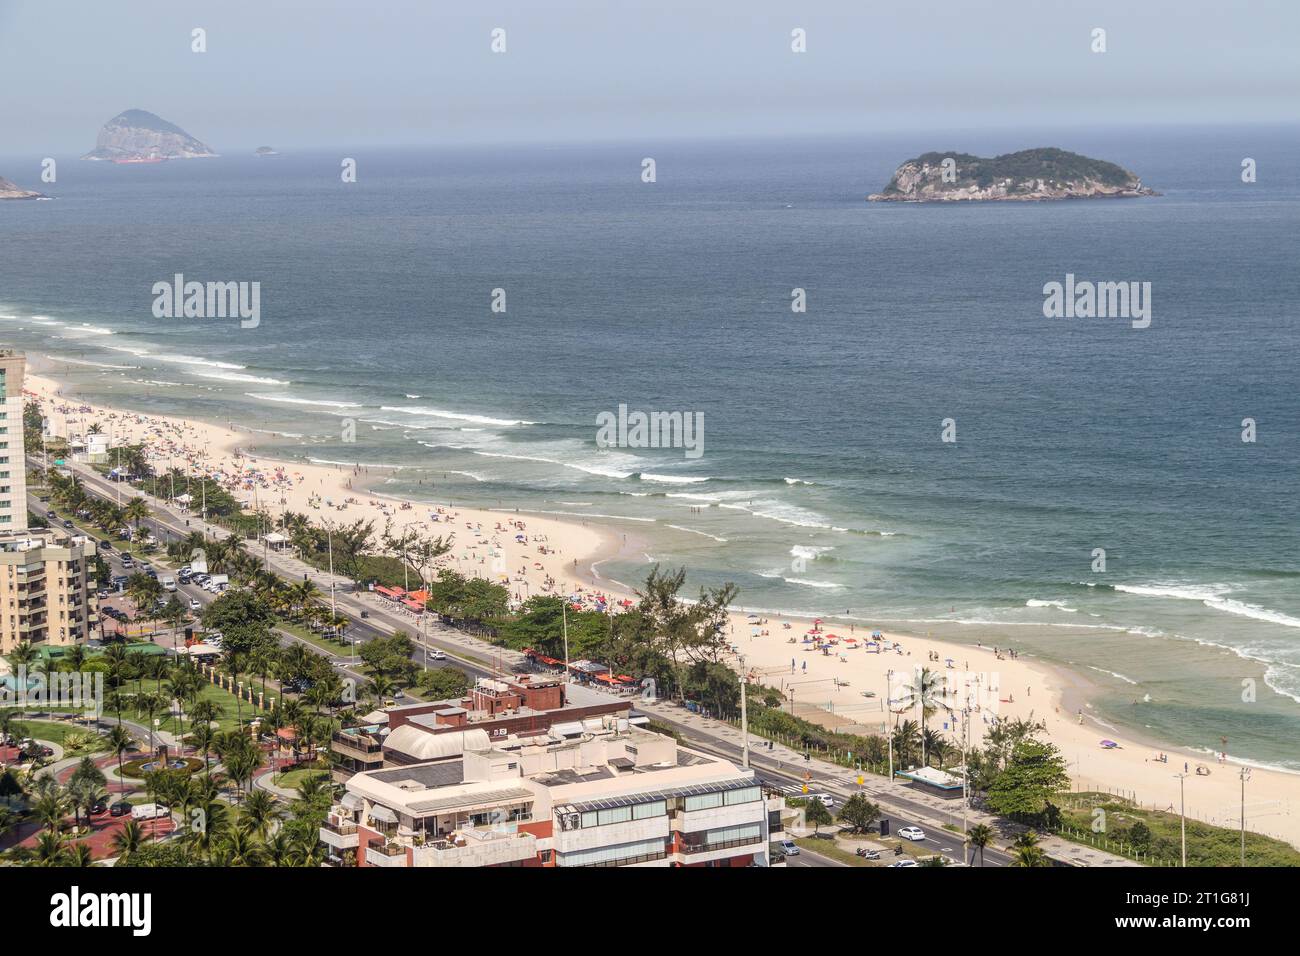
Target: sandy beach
x,y
832,668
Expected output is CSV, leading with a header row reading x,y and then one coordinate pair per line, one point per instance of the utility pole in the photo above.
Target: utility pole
x,y
1182,811
965,775
329,540
564,618
744,715
1245,775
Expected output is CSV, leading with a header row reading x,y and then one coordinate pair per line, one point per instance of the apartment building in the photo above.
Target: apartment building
x,y
494,711
45,591
618,797
13,460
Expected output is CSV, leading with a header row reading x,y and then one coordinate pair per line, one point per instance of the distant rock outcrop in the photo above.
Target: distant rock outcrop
x,y
138,136
1031,174
10,191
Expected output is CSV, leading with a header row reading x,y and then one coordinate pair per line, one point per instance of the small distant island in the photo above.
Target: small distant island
x,y
1027,176
138,136
265,151
9,190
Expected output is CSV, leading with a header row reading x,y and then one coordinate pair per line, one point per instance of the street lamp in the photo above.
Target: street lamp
x,y
1182,812
1244,774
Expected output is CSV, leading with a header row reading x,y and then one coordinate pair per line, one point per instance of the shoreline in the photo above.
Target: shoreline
x,y
582,546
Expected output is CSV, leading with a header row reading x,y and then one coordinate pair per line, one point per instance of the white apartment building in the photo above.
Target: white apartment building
x,y
13,461
619,797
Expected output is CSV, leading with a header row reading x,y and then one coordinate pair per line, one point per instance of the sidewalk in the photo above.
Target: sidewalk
x,y
790,761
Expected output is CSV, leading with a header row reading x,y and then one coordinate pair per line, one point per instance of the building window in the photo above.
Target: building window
x,y
643,811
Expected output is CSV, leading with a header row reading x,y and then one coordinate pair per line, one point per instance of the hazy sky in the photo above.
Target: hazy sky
x,y
303,73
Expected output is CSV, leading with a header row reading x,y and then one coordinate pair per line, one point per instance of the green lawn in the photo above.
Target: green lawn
x,y
226,703
1206,845
291,779
57,731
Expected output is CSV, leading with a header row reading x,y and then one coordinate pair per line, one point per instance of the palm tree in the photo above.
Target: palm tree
x,y
80,855
119,741
49,849
979,836
136,511
149,705
50,808
240,847
23,654
924,691
128,839
907,739
1027,852
259,813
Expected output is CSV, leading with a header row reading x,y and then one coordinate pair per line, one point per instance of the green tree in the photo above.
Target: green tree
x,y
979,836
859,812
1035,771
816,813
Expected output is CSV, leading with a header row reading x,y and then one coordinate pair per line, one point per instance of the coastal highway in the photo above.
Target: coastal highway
x,y
900,811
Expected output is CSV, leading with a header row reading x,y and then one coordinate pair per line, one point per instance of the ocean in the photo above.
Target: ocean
x,y
824,483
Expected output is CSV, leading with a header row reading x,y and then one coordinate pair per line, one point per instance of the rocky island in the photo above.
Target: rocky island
x,y
138,136
10,191
1029,175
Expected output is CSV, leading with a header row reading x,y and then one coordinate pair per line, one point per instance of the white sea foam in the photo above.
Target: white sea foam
x,y
241,377
455,416
677,527
673,479
195,360
72,361
1127,680
1211,596
354,464
300,401
577,514
1059,605
809,551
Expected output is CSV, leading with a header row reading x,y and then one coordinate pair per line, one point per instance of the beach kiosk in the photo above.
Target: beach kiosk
x,y
941,783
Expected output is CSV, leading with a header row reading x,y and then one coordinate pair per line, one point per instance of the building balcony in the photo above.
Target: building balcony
x,y
478,848
340,835
385,854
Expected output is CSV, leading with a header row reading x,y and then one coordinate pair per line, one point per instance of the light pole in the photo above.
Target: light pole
x,y
744,715
1182,812
329,540
1245,775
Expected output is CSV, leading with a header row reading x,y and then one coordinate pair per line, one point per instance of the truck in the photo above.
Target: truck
x,y
217,583
149,811
168,582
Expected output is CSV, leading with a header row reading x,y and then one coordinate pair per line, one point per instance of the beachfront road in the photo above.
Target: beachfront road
x,y
900,811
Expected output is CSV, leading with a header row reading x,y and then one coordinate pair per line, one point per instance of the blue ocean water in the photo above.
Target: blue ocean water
x,y
824,485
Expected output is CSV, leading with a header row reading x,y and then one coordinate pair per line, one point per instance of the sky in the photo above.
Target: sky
x,y
329,73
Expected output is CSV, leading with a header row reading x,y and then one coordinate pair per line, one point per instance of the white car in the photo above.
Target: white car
x,y
437,656
195,605
905,863
826,799
789,848
915,834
